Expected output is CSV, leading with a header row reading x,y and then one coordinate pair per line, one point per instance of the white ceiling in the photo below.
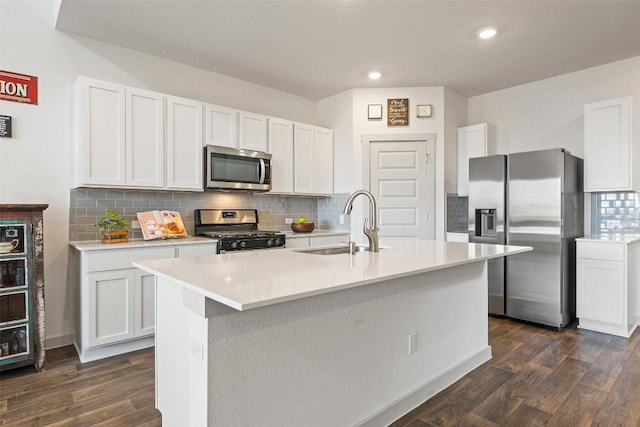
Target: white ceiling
x,y
319,48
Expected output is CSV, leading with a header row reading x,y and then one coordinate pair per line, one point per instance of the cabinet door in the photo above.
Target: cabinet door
x,y
111,306
601,292
145,138
100,133
184,144
472,142
221,124
324,161
252,132
608,151
304,158
144,297
281,149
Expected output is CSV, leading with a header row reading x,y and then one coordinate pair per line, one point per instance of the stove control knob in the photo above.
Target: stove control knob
x,y
278,241
234,245
243,244
270,242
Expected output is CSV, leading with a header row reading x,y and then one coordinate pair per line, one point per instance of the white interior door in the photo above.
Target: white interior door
x,y
402,179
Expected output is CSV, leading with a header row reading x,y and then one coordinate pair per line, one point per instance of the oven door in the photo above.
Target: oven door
x,y
228,169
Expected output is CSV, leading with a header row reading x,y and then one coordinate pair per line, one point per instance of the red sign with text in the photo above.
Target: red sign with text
x,y
18,87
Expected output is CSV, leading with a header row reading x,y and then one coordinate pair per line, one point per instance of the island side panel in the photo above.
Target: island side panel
x,y
343,358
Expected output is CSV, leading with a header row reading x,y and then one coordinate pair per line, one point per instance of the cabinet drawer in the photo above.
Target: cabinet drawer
x,y
196,250
120,259
602,251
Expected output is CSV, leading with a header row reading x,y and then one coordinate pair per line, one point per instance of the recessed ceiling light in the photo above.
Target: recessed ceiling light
x,y
487,33
375,75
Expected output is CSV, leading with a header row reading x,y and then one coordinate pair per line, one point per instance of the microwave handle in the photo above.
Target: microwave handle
x,y
263,171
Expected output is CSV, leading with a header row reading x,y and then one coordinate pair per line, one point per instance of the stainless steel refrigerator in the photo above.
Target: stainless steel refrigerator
x,y
544,210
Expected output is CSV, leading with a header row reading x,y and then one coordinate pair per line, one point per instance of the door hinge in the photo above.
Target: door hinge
x,y
427,158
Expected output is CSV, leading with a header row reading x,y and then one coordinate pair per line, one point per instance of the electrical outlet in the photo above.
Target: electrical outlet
x,y
341,219
288,220
196,350
413,342
135,224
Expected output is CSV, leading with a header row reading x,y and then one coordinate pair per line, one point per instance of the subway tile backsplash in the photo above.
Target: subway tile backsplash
x,y
87,206
457,213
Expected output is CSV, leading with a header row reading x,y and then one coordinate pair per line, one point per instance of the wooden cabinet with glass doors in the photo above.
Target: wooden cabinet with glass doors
x,y
21,286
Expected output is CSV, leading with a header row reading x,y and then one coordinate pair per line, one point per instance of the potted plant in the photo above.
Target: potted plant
x,y
114,227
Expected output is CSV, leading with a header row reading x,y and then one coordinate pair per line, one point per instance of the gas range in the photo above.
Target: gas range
x,y
235,229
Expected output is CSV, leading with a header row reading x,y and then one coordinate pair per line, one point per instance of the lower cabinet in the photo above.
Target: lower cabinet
x,y
298,241
116,302
606,286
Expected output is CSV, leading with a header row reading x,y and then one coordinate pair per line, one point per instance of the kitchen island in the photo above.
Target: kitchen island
x,y
280,337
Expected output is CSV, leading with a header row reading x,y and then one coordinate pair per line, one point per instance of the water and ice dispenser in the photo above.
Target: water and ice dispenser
x,y
485,222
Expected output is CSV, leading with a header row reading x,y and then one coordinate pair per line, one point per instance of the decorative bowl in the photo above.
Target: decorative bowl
x,y
302,227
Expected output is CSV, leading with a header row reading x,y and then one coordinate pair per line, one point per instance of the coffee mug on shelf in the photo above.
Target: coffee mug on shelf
x,y
9,246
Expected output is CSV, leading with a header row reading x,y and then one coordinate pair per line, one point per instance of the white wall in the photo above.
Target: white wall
x,y
349,159
35,165
549,113
455,116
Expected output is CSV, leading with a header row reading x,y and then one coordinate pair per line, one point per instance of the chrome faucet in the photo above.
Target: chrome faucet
x,y
370,229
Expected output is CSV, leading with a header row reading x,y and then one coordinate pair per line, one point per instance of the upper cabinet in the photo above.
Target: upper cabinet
x,y
99,140
184,144
324,161
226,127
144,140
120,138
313,160
472,142
221,126
132,138
281,150
610,152
252,133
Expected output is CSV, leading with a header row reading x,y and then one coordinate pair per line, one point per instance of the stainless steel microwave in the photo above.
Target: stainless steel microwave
x,y
229,169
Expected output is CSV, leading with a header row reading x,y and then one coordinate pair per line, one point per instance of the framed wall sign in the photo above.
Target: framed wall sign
x,y
424,110
5,126
398,112
375,111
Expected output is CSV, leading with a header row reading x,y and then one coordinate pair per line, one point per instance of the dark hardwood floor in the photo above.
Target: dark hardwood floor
x,y
537,377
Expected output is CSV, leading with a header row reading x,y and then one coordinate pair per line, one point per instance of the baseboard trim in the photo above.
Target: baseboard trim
x,y
415,398
59,341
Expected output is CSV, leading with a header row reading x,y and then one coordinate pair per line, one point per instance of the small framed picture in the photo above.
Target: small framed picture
x,y
424,110
375,112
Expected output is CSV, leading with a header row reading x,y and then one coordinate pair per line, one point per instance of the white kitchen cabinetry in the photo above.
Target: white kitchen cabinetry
x,y
472,142
252,132
119,136
281,150
606,286
99,133
184,144
313,160
305,241
144,141
116,302
221,126
120,139
610,152
324,161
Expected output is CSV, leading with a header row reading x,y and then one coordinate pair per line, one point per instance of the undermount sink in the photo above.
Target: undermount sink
x,y
333,250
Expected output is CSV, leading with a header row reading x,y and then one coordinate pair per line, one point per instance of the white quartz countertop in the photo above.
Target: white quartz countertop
x,y
246,280
97,245
612,238
291,235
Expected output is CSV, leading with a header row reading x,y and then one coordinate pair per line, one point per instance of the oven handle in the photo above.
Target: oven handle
x,y
263,171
